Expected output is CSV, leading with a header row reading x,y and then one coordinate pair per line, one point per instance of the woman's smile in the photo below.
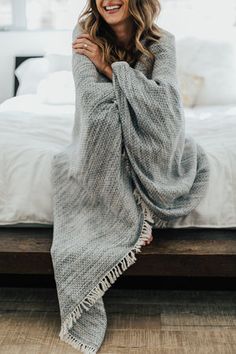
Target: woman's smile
x,y
113,12
113,9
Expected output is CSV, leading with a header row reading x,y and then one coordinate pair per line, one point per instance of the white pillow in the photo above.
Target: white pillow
x,y
57,88
215,61
59,62
190,87
29,73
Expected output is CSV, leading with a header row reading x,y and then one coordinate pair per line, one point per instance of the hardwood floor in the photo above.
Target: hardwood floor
x,y
139,322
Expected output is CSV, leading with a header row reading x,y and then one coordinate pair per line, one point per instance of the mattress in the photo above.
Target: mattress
x,y
31,132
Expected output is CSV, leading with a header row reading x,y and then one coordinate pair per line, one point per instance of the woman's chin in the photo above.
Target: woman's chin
x,y
114,20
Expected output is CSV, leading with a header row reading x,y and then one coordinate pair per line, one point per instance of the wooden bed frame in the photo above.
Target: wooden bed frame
x,y
173,252
182,252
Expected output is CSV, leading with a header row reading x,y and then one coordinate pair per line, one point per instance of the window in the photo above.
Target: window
x,y
39,14
5,14
51,14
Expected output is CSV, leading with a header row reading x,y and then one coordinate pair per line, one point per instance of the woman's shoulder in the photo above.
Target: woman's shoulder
x,y
166,33
166,40
166,36
77,30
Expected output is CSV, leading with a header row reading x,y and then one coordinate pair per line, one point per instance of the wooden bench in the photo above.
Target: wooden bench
x,y
173,252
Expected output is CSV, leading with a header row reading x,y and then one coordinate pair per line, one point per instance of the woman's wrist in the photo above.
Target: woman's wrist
x,y
107,71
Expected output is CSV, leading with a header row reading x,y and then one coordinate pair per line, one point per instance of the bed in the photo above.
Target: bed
x,y
202,243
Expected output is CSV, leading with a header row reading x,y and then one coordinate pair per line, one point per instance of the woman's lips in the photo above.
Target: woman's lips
x,y
112,11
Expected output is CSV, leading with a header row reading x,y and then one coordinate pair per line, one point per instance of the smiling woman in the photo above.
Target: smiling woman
x,y
129,166
117,28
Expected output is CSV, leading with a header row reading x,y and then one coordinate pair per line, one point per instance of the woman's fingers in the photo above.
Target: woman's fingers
x,y
84,44
79,44
84,38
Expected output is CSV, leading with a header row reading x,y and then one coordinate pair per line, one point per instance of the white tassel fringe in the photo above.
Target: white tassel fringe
x,y
112,275
160,223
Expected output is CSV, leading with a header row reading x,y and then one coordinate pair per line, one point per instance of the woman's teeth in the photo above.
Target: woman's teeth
x,y
115,7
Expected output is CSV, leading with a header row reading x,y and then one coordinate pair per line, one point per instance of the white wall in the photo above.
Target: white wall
x,y
26,43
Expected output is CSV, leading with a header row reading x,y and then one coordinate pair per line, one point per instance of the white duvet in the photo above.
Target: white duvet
x,y
32,132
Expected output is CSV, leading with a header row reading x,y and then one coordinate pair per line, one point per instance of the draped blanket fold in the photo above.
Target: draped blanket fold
x,y
130,167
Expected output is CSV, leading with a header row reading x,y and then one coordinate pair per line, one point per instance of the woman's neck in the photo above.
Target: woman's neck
x,y
124,32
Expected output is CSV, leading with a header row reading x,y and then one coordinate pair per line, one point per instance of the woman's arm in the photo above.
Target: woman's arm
x,y
83,44
107,71
85,74
159,95
136,86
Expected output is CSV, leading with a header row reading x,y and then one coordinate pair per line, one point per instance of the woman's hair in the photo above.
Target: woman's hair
x,y
143,13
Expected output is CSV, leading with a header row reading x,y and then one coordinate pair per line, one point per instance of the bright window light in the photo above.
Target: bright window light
x,y
52,14
5,13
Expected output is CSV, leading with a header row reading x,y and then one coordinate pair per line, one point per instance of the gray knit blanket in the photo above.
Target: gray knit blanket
x,y
130,167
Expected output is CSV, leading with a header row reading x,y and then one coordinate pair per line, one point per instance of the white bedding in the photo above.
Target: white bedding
x,y
32,132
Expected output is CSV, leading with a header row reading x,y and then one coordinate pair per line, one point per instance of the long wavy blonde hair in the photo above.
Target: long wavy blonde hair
x,y
143,13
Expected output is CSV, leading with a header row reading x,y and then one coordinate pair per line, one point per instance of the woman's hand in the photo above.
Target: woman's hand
x,y
93,52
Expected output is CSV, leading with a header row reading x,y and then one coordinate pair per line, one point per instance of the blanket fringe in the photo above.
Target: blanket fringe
x,y
159,223
75,343
108,279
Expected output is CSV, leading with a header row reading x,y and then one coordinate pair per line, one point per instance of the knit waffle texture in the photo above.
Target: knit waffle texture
x,y
129,167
